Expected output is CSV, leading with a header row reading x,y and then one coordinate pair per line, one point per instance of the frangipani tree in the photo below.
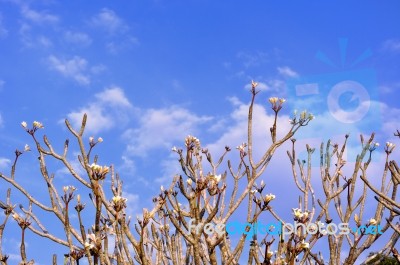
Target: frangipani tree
x,y
180,228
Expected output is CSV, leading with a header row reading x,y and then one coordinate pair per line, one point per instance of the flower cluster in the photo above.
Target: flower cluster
x,y
35,126
22,222
92,142
68,194
299,215
276,103
303,118
119,203
389,147
99,172
242,149
192,142
304,245
93,242
269,197
372,221
373,146
213,181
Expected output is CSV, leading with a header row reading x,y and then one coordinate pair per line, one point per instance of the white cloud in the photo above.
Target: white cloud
x,y
97,119
110,109
236,132
114,96
5,163
77,38
391,45
108,20
75,68
162,128
39,17
287,72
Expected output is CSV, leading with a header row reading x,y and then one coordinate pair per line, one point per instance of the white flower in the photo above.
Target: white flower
x,y
100,170
390,145
297,213
269,197
91,139
27,148
191,140
217,178
67,188
304,245
254,84
273,100
269,254
242,147
117,199
23,124
38,125
372,221
282,100
303,115
174,149
99,139
189,181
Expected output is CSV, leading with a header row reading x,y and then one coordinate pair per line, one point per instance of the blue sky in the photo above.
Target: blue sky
x,y
148,73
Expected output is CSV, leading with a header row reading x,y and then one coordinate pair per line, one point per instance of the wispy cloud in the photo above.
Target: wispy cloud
x,y
162,128
75,68
5,163
118,37
287,72
77,38
119,45
261,86
272,85
39,17
253,58
110,108
30,40
392,45
108,21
